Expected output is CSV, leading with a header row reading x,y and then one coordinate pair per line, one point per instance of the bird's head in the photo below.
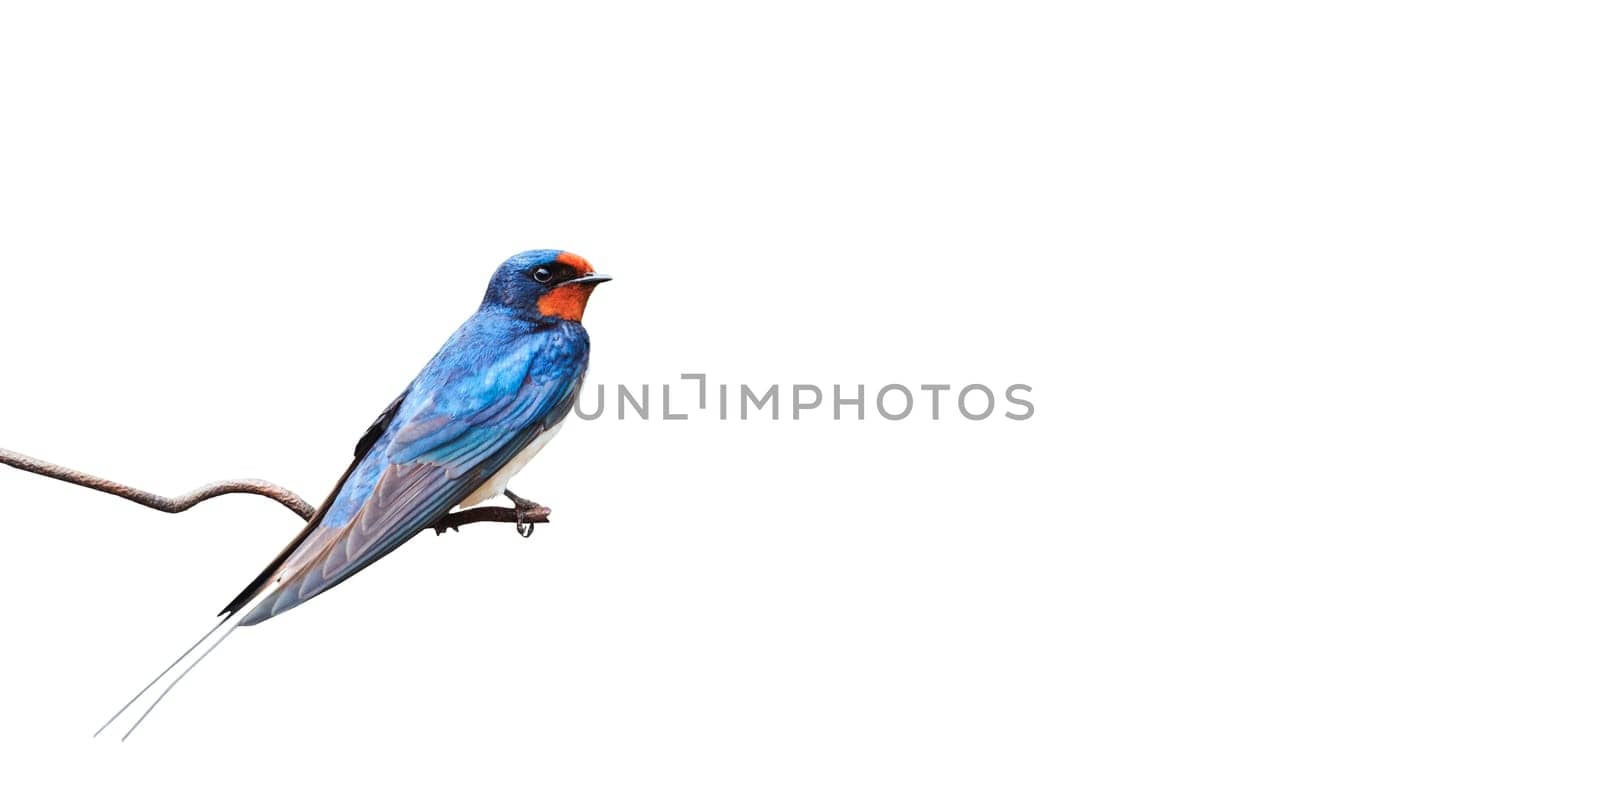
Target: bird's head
x,y
544,285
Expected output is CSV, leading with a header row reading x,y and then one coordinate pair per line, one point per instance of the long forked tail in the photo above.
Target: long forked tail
x,y
151,695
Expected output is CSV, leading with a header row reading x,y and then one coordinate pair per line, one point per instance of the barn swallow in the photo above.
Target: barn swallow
x,y
486,403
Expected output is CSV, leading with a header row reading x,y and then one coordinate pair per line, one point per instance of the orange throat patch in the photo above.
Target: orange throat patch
x,y
566,301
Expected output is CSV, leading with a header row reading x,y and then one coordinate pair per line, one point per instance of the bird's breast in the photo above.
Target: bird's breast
x,y
496,484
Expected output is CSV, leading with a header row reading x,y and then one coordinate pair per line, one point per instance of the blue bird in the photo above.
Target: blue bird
x,y
480,409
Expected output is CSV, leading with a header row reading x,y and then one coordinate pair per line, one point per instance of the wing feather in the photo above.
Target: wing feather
x,y
442,442
363,447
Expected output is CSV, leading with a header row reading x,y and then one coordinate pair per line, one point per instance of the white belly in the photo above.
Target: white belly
x,y
496,485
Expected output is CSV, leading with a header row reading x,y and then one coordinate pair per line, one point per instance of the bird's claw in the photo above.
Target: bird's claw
x,y
526,511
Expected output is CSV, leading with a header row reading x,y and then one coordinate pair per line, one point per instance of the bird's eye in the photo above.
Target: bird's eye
x,y
543,275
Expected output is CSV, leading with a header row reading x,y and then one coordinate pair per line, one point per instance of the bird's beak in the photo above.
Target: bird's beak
x,y
593,278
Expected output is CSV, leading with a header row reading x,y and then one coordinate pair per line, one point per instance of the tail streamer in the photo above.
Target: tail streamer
x,y
227,625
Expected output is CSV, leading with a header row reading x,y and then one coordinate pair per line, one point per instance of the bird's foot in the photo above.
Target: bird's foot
x,y
527,511
439,531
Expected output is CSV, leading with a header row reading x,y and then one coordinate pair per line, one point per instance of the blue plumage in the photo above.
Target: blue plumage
x,y
489,392
508,375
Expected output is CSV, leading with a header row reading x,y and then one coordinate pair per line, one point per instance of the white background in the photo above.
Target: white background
x,y
1306,295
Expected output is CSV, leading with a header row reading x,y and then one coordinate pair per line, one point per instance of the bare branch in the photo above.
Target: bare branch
x,y
496,513
528,513
182,502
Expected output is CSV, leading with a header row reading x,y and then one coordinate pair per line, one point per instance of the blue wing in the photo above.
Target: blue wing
x,y
490,392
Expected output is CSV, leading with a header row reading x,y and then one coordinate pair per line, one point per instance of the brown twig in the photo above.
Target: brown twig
x,y
538,514
530,513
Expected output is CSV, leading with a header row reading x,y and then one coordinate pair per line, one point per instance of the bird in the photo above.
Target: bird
x,y
480,409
